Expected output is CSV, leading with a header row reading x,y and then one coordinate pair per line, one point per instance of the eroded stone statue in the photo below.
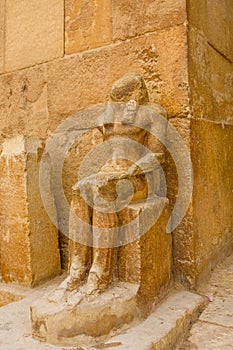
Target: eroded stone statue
x,y
89,301
91,269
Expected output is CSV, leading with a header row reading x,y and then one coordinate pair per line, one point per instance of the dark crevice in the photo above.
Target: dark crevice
x,y
219,52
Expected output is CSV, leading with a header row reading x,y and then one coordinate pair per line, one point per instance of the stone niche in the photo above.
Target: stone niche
x,y
120,256
28,240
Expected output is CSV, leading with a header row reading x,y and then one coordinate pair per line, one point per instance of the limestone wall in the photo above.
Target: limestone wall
x,y
58,57
211,94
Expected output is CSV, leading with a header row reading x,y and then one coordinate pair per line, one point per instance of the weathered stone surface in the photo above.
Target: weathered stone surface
x,y
166,327
33,32
62,324
220,312
78,81
214,330
211,80
9,295
87,24
210,337
183,236
155,255
2,36
203,14
130,87
23,103
212,157
15,319
29,242
15,245
177,310
136,17
221,281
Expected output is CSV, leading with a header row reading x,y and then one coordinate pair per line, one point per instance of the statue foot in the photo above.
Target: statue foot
x,y
68,285
75,298
92,288
95,284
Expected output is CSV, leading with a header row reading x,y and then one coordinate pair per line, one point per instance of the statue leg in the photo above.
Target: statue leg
x,y
104,230
79,253
80,242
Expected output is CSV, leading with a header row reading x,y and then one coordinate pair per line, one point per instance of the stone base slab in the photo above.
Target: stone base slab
x,y
65,323
163,329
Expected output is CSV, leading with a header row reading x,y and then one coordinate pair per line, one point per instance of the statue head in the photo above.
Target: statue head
x,y
130,87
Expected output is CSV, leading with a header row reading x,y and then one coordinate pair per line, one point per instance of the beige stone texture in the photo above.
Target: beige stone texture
x,y
214,330
165,328
130,87
209,337
2,34
211,104
7,297
214,20
136,17
29,242
156,255
23,103
62,324
86,79
183,236
212,157
179,310
152,252
220,312
211,80
33,32
87,24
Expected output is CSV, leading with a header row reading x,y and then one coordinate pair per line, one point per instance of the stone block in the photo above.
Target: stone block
x,y
202,15
210,336
183,236
165,328
212,157
63,324
23,103
2,36
87,24
76,82
33,32
29,242
211,81
136,17
219,312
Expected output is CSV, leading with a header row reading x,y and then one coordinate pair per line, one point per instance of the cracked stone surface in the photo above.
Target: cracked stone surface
x,y
164,328
214,329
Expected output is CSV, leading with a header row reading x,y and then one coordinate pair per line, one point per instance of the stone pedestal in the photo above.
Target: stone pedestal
x,y
146,263
70,324
28,240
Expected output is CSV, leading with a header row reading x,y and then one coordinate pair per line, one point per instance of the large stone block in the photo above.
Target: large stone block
x,y
212,156
23,103
87,24
78,81
2,37
214,20
29,242
211,80
184,258
64,324
33,32
136,17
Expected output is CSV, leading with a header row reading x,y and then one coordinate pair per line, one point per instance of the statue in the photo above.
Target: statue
x,y
96,297
91,269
